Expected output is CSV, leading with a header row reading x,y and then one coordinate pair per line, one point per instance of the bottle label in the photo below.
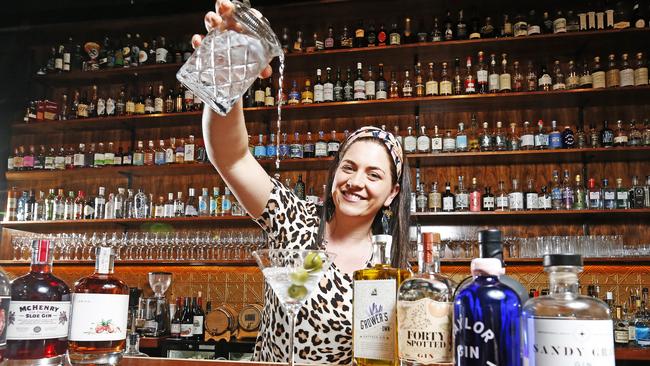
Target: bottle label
x,y
598,79
189,152
187,330
569,342
504,82
448,204
627,77
431,87
621,336
4,310
555,140
161,55
423,143
410,144
424,333
449,144
359,89
36,319
370,89
445,87
620,139
197,326
332,147
613,78
516,200
545,80
494,82
541,139
641,76
545,202
559,25
99,317
318,93
436,144
461,142
462,200
328,92
435,200
532,201
488,202
374,319
482,76
527,140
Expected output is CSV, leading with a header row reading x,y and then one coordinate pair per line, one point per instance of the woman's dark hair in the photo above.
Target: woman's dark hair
x,y
400,206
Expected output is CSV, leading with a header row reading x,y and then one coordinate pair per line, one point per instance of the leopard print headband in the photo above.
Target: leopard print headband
x,y
393,145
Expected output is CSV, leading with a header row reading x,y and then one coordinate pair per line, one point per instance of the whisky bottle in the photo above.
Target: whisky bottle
x,y
394,37
572,79
541,137
98,324
435,199
613,74
545,202
424,308
360,36
472,135
448,142
419,83
421,199
374,315
626,73
296,147
410,141
470,82
482,75
436,34
448,27
370,85
487,318
517,78
307,96
445,81
382,84
436,141
308,148
555,318
533,23
514,142
637,194
598,75
328,87
505,79
348,87
333,144
621,328
520,27
371,35
493,77
640,70
431,86
545,82
635,135
558,77
329,40
608,196
606,135
359,84
423,141
40,311
320,147
594,195
568,194
458,81
531,77
407,86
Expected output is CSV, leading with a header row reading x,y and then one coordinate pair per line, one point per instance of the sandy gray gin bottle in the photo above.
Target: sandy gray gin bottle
x,y
564,327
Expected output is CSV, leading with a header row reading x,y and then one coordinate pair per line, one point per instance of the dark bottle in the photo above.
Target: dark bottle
x,y
568,138
38,295
488,200
338,87
198,316
360,36
448,199
606,136
407,34
382,36
461,26
175,328
371,36
348,88
299,188
187,321
491,246
381,91
448,27
487,30
487,318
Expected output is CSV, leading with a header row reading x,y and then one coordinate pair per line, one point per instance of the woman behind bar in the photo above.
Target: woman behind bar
x,y
369,175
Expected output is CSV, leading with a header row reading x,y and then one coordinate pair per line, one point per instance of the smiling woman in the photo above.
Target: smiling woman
x,y
368,176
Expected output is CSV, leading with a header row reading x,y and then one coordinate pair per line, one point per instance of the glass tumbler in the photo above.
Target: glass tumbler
x,y
227,62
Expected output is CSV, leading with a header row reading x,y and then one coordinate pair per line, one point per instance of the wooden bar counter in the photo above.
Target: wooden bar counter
x,y
155,361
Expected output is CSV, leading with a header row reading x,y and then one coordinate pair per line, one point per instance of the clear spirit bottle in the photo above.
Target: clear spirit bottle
x,y
516,197
579,195
486,140
435,198
424,141
622,201
608,196
461,138
410,141
642,321
502,198
475,197
374,313
436,140
98,326
514,142
462,196
500,139
448,142
594,200
421,199
424,310
581,326
531,197
567,192
487,319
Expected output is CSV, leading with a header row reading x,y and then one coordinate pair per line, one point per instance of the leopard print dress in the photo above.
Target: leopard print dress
x,y
323,330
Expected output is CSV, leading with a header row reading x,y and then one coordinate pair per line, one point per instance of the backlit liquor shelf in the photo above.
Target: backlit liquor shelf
x,y
439,159
424,217
364,108
569,41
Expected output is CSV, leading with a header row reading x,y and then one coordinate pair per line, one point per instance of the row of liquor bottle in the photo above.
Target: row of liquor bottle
x,y
98,155
122,204
567,194
631,317
85,323
125,103
486,319
493,76
533,22
116,52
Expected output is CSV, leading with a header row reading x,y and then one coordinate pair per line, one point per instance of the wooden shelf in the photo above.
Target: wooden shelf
x,y
538,261
135,263
364,108
108,75
159,225
156,170
441,159
541,216
632,353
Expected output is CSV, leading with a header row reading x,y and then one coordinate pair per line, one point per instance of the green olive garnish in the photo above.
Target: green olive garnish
x,y
299,277
297,292
313,262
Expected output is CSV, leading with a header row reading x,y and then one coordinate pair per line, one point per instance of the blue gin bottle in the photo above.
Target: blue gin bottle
x,y
487,319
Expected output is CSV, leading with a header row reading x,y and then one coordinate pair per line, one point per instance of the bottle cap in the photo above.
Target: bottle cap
x,y
487,267
489,243
573,260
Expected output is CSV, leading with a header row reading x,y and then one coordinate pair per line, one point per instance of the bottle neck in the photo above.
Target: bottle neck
x,y
564,281
381,250
431,263
105,261
42,256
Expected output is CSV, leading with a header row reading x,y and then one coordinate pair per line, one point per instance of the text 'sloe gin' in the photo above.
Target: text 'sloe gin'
x,y
564,327
424,310
100,305
374,313
39,312
487,319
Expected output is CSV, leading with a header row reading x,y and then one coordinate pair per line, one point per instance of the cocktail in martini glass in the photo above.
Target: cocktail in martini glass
x,y
293,275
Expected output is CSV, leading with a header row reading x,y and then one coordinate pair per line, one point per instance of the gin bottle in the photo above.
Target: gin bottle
x,y
487,319
374,315
424,309
564,327
98,325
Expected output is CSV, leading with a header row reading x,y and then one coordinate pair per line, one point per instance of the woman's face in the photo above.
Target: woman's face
x,y
363,181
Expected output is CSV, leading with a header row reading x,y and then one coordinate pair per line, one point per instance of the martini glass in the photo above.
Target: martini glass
x,y
293,275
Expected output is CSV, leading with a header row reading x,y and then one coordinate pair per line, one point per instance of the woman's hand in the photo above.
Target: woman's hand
x,y
222,19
